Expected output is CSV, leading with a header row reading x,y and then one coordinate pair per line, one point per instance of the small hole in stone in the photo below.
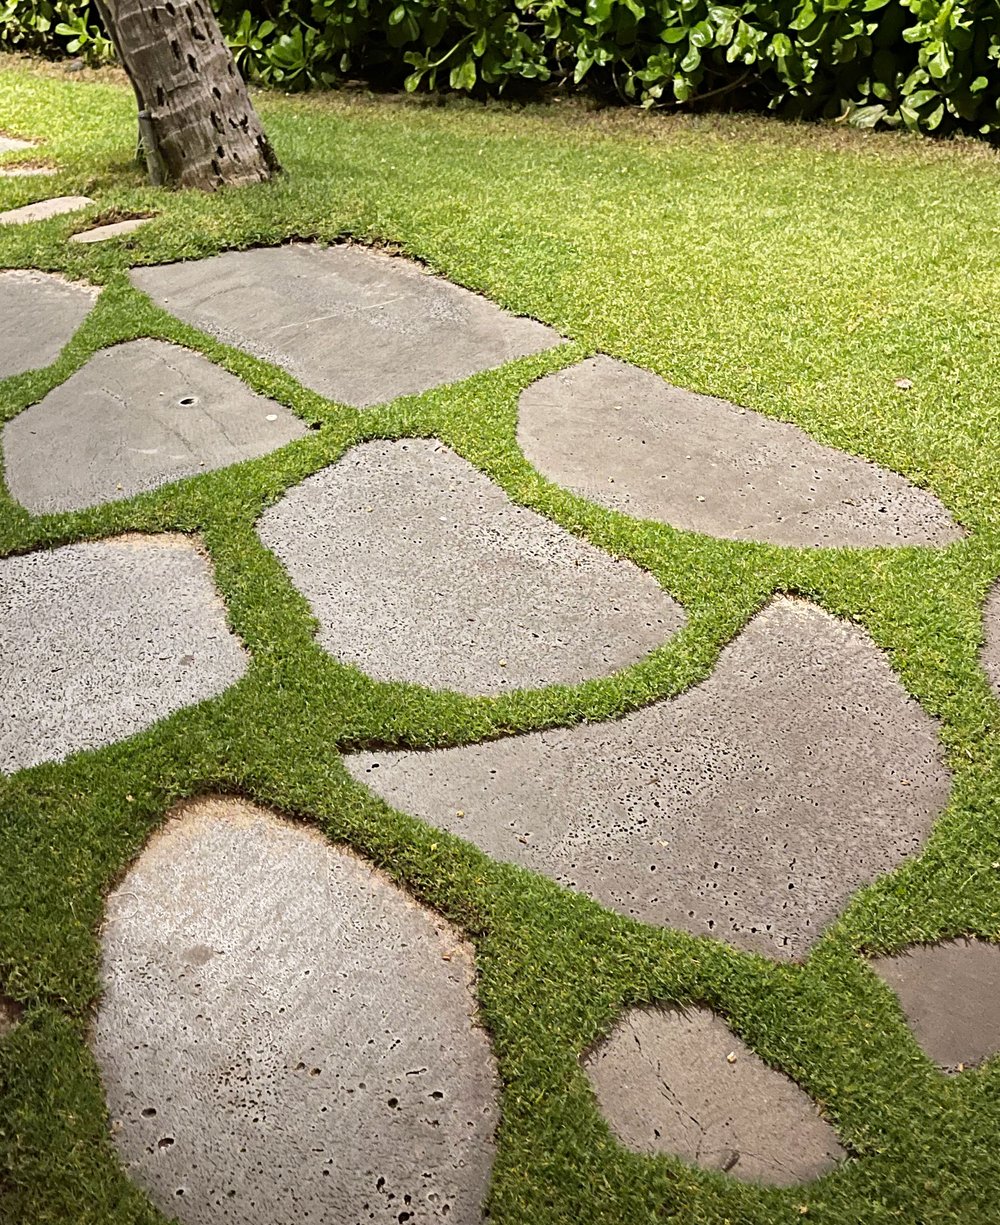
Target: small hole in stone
x,y
149,1112
187,401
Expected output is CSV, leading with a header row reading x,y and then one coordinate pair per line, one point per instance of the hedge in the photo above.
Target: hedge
x,y
933,67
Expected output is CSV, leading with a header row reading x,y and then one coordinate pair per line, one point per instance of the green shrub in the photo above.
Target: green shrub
x,y
928,65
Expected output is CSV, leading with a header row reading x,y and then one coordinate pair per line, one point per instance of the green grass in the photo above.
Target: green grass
x,y
797,271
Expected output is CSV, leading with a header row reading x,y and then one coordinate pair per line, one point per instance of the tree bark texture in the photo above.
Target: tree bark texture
x,y
194,108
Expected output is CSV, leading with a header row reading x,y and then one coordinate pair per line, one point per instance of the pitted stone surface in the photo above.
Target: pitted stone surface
x,y
950,994
684,1083
115,229
749,808
42,210
38,315
101,640
137,416
629,441
285,1037
420,569
991,651
355,325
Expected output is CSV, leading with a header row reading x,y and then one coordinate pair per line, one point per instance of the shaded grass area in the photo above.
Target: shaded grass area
x,y
797,272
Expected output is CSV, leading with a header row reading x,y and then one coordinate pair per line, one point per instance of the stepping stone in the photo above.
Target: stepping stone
x,y
285,1036
991,649
420,569
629,441
355,325
10,144
135,417
749,808
104,639
39,313
117,229
25,172
44,209
683,1083
950,994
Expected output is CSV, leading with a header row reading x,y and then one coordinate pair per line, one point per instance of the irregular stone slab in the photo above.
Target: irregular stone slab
x,y
284,1036
38,315
355,325
420,569
135,417
25,172
116,229
44,209
749,808
991,649
683,1083
629,441
11,144
101,640
951,996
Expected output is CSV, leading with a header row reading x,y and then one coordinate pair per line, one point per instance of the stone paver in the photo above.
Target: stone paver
x,y
38,315
991,649
137,416
42,210
11,144
420,569
284,1036
750,807
101,640
950,994
115,229
25,172
629,441
355,325
683,1083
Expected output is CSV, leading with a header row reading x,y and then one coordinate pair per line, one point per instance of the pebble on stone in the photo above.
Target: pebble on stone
x,y
991,648
420,569
135,417
103,639
950,994
115,229
42,210
749,808
39,313
358,326
624,438
682,1082
285,1036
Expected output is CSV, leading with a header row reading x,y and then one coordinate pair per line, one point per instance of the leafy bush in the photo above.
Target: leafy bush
x,y
926,64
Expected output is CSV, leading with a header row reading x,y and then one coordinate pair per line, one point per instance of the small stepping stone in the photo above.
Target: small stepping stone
x,y
749,808
116,229
39,313
683,1083
950,994
25,172
420,569
10,144
624,438
355,325
285,1036
44,209
991,649
135,417
101,640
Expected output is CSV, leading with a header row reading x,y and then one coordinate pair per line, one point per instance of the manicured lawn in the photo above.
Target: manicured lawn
x,y
799,272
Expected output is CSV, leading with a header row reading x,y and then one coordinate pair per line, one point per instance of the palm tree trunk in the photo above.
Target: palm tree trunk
x,y
197,124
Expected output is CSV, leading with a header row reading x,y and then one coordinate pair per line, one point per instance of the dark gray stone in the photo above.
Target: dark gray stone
x,y
629,441
42,210
284,1036
991,649
356,325
950,994
684,1083
38,315
137,416
101,640
420,569
749,808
